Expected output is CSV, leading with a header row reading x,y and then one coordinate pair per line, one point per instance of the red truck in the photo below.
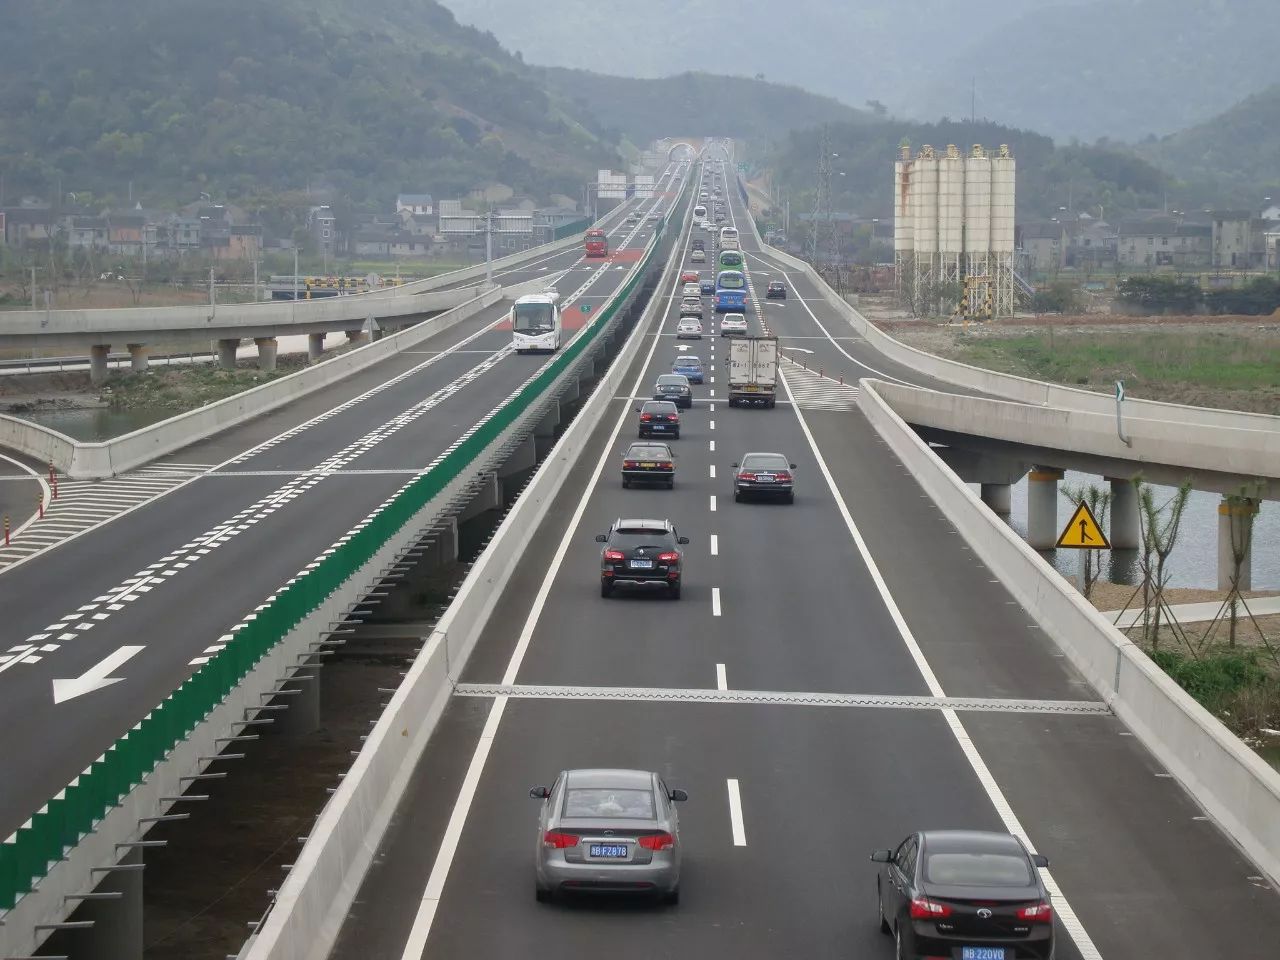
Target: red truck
x,y
597,244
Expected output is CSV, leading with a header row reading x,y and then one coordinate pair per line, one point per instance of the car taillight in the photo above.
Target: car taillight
x,y
746,476
673,416
559,840
658,841
1041,912
613,555
668,558
629,464
666,465
922,908
782,475
646,417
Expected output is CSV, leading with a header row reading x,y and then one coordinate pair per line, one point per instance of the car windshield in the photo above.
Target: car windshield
x,y
604,802
648,451
731,280
765,462
977,869
534,316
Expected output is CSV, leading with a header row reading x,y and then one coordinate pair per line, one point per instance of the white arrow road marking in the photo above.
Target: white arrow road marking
x,y
96,677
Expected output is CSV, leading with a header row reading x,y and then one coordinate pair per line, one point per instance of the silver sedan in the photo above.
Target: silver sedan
x,y
608,830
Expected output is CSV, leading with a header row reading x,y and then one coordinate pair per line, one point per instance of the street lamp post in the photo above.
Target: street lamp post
x,y
488,247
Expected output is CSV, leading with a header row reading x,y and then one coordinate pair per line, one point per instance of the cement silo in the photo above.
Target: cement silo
x,y
977,212
1003,196
903,234
924,229
951,182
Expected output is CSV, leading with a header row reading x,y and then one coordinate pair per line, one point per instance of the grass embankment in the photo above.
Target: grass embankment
x,y
1236,369
179,389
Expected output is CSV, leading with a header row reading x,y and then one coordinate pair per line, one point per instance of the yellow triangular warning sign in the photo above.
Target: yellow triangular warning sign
x,y
1082,531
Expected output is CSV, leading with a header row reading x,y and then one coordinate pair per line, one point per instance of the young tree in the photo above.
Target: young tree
x,y
1160,526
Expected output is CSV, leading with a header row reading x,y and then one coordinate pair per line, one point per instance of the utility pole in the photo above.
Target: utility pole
x,y
295,273
255,279
822,239
488,246
213,301
33,289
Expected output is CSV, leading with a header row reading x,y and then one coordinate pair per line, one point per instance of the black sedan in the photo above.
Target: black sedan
x,y
674,387
659,418
966,894
708,287
648,462
777,290
765,475
641,553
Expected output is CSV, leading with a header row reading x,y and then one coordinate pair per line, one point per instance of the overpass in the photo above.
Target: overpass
x,y
869,661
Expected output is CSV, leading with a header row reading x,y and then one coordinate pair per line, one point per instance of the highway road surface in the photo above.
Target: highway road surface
x,y
799,692
99,629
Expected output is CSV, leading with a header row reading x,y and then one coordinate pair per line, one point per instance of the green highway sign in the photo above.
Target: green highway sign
x,y
585,308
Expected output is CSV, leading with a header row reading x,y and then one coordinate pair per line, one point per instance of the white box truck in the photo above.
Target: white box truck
x,y
753,370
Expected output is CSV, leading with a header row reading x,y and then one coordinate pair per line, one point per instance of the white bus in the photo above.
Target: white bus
x,y
729,238
700,212
535,323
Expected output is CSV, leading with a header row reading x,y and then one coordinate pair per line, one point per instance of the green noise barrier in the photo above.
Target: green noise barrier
x,y
25,857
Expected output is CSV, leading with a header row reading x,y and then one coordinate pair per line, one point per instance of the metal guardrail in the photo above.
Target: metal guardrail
x,y
65,820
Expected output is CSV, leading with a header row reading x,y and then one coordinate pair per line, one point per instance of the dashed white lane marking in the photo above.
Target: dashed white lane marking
x,y
713,471
713,445
711,424
715,601
713,503
416,942
715,545
735,815
722,679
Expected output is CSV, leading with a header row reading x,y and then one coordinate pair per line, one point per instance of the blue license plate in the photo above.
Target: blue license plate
x,y
641,564
982,953
659,426
764,477
618,851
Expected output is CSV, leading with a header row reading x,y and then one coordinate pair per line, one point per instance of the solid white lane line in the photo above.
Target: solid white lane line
x,y
715,545
722,680
715,601
1012,824
416,943
735,815
713,471
713,503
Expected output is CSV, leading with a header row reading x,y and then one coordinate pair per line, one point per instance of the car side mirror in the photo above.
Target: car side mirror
x,y
793,466
601,538
679,796
882,856
637,409
734,464
539,793
1040,860
682,540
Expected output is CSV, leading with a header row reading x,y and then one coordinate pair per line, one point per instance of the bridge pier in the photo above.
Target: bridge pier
x,y
227,353
138,357
315,347
1234,523
1126,531
356,336
266,353
998,497
98,369
1042,507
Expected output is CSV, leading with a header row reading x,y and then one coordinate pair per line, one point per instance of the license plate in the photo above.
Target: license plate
x,y
982,953
641,564
751,387
659,426
618,851
648,464
764,477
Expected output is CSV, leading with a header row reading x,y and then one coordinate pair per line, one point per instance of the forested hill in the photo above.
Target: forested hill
x,y
370,96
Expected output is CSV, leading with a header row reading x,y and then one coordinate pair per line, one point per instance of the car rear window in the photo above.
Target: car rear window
x,y
648,451
767,463
603,802
675,378
659,406
977,869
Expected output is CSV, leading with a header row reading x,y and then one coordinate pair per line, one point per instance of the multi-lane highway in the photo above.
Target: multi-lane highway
x,y
806,690
147,597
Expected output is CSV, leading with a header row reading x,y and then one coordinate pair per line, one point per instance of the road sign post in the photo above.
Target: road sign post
x,y
1119,419
1083,533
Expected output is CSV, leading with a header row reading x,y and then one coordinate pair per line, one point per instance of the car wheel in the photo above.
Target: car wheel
x,y
606,589
737,496
671,484
672,898
884,924
789,498
541,893
676,435
899,951
625,483
673,591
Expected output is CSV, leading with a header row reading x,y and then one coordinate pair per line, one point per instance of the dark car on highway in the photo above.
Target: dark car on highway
x,y
641,553
964,894
764,475
708,287
648,462
659,418
674,387
777,290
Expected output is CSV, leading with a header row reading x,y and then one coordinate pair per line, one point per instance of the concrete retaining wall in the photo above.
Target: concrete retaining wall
x,y
313,902
1234,785
108,458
